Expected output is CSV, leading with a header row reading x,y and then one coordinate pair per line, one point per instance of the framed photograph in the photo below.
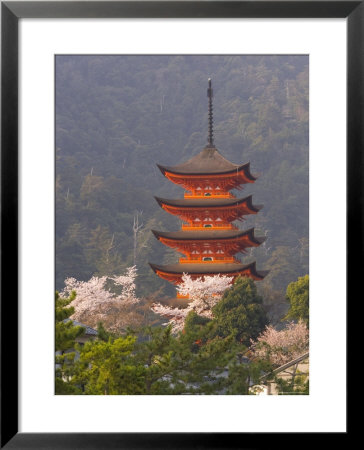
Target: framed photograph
x,y
103,107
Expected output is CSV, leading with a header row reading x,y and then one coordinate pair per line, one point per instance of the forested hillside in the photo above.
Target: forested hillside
x,y
117,116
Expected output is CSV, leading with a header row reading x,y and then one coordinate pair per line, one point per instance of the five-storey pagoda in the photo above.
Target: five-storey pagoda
x,y
208,238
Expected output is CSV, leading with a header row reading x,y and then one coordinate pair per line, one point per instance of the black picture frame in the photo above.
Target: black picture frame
x,y
11,12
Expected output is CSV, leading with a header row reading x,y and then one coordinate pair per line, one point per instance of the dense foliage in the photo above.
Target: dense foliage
x,y
65,337
117,116
210,355
240,312
65,332
298,385
298,297
155,362
205,358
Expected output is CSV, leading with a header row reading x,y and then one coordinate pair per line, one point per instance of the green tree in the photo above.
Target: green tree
x,y
237,369
202,361
103,333
298,296
188,363
242,375
155,362
65,332
65,337
298,385
106,368
240,312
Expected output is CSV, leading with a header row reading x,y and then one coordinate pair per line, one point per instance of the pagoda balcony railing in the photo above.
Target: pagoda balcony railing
x,y
216,259
212,195
222,226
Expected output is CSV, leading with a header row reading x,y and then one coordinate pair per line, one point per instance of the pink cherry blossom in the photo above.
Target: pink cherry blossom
x,y
204,293
281,346
92,294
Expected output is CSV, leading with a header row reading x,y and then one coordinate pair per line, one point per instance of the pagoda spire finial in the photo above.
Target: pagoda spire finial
x,y
210,137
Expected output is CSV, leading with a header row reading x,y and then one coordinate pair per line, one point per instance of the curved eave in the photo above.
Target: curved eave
x,y
208,269
243,168
208,203
208,235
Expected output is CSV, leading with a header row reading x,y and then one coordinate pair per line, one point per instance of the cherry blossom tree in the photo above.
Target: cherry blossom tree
x,y
282,346
203,292
94,297
176,316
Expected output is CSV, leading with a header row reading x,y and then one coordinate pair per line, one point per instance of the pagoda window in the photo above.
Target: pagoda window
x,y
207,194
207,225
207,258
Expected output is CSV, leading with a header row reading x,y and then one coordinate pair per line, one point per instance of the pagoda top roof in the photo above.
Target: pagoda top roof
x,y
205,269
207,202
208,234
208,162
